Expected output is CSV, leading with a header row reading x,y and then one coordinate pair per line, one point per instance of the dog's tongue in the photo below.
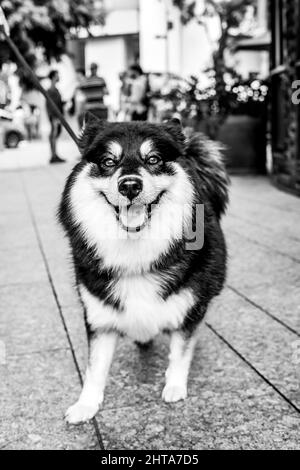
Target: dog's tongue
x,y
133,217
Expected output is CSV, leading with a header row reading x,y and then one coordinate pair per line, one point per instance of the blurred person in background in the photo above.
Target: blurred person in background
x,y
97,78
124,103
55,124
138,99
79,97
31,104
3,90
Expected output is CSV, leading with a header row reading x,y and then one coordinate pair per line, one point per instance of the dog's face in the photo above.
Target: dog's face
x,y
134,165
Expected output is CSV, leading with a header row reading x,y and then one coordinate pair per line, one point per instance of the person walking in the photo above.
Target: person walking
x,y
55,124
138,100
93,89
125,92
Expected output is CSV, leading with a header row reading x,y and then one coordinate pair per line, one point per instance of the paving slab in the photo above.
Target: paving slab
x,y
270,280
35,390
259,189
11,191
277,242
36,154
250,265
267,345
228,407
21,266
64,280
16,230
280,300
29,319
281,213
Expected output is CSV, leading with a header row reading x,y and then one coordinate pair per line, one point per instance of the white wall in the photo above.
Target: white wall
x,y
125,21
246,62
196,50
153,42
175,45
262,14
186,50
110,54
110,5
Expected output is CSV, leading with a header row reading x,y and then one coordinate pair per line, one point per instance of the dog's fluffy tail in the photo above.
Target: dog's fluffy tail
x,y
205,158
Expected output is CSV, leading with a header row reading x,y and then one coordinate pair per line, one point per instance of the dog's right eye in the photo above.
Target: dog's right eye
x,y
153,160
108,162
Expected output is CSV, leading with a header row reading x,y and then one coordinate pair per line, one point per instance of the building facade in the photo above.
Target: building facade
x,y
147,31
285,105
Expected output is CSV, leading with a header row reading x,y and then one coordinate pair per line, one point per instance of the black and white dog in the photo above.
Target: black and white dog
x,y
129,209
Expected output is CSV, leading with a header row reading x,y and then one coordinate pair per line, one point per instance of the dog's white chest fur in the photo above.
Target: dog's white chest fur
x,y
144,312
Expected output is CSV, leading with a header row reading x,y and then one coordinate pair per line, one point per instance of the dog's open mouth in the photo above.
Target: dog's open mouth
x,y
134,217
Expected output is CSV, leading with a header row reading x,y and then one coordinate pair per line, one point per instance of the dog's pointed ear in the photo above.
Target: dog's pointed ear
x,y
91,126
174,128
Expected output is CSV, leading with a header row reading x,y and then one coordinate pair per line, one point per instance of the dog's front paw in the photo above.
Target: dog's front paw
x,y
172,393
79,413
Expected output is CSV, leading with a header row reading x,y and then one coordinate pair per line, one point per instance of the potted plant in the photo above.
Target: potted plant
x,y
242,129
231,109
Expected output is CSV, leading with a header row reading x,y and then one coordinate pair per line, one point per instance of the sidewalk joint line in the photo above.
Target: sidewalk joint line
x,y
262,309
271,205
263,245
39,351
267,381
94,421
264,227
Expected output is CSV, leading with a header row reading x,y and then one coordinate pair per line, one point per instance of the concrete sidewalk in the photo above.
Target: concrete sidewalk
x,y
244,388
36,154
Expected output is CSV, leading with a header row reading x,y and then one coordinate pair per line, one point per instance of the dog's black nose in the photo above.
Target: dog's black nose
x,y
130,187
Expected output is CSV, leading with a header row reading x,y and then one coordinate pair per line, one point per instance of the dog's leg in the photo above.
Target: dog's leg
x,y
101,350
182,347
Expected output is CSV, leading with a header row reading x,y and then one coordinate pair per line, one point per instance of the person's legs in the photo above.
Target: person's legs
x,y
54,134
52,138
58,130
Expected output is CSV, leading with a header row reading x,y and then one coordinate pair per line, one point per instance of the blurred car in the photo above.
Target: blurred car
x,y
13,128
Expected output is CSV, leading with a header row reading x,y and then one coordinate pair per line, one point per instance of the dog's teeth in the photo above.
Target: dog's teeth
x,y
134,216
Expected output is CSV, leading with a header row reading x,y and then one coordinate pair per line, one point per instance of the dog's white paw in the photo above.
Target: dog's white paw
x,y
79,413
172,393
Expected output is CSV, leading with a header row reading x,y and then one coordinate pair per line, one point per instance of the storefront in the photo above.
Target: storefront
x,y
285,108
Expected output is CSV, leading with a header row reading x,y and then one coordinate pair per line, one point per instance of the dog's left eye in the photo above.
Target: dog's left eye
x,y
153,160
109,162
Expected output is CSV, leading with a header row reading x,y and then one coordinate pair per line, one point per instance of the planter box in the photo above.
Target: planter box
x,y
244,138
